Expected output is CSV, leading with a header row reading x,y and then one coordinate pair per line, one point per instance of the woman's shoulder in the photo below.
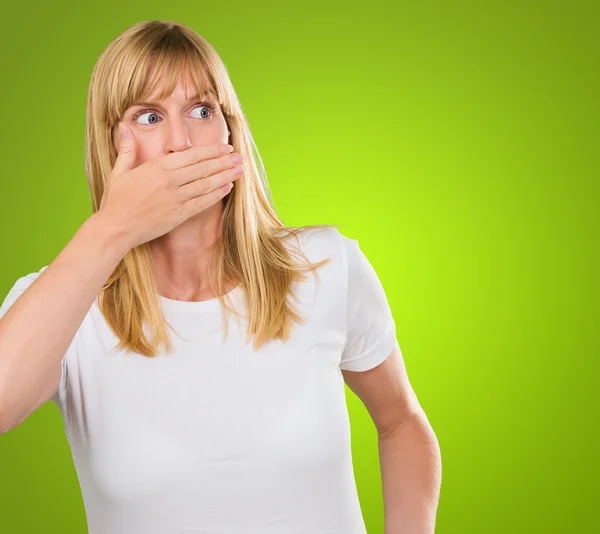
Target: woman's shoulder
x,y
29,278
316,239
18,288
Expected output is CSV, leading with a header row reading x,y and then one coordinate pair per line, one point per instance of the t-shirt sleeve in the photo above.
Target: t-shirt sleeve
x,y
370,326
14,293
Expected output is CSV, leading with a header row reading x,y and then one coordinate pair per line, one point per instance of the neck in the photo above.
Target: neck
x,y
181,255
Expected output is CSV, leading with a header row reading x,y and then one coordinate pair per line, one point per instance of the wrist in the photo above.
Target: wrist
x,y
112,236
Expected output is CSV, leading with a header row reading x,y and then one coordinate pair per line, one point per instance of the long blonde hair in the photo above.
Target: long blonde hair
x,y
250,249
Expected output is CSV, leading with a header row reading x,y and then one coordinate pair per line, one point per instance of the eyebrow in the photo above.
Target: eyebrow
x,y
206,96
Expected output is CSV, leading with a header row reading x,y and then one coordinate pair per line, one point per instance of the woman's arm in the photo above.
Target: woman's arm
x,y
38,328
409,453
411,473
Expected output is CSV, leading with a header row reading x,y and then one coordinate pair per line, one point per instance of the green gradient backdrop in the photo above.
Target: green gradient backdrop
x,y
458,142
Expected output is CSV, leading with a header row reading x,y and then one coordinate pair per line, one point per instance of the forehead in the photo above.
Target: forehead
x,y
168,82
185,95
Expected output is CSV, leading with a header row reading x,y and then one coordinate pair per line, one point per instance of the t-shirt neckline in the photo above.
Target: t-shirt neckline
x,y
198,305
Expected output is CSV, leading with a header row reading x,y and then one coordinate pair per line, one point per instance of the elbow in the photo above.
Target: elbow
x,y
414,420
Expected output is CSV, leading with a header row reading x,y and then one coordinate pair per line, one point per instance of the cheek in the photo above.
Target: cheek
x,y
206,135
145,152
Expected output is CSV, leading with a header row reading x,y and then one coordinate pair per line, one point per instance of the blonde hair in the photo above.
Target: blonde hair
x,y
250,249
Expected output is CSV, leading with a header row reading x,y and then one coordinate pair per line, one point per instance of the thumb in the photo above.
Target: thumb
x,y
127,150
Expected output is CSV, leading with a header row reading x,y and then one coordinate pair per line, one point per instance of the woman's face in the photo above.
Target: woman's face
x,y
174,124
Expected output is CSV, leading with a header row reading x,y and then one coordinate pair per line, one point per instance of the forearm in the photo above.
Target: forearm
x,y
39,326
411,473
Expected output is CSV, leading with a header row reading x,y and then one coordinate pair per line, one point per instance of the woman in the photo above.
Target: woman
x,y
216,429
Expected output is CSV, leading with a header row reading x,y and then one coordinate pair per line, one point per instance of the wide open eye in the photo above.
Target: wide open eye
x,y
205,108
146,112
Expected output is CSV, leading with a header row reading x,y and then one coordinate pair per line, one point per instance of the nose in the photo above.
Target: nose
x,y
178,136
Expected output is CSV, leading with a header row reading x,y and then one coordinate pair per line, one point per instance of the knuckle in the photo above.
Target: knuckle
x,y
208,183
201,168
154,166
169,179
204,185
157,163
201,202
191,156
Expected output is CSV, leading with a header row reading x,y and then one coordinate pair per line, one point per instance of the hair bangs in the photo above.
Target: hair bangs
x,y
160,66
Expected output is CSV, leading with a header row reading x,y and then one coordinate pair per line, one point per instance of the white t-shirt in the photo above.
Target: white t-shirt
x,y
217,438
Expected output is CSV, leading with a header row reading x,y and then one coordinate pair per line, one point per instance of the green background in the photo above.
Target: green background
x,y
457,141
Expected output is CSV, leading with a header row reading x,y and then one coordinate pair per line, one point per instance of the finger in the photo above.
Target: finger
x,y
206,185
192,155
127,150
205,168
197,204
